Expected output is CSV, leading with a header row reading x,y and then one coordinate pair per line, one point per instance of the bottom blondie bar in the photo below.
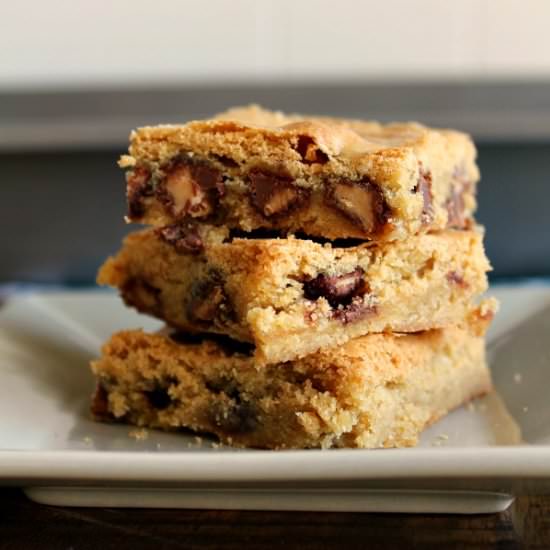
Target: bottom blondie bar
x,y
379,390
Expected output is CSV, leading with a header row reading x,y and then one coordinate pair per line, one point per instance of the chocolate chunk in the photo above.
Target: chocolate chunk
x,y
190,188
142,295
355,311
209,302
424,186
225,385
273,195
206,308
158,398
310,152
138,186
208,178
100,403
230,411
457,279
185,238
241,419
238,417
336,289
361,202
344,293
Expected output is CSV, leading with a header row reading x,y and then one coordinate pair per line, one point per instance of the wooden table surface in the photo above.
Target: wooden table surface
x,y
24,524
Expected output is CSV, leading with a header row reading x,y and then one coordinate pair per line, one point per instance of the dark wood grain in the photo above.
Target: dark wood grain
x,y
24,524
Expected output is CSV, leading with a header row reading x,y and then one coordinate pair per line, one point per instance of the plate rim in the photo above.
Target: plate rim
x,y
527,462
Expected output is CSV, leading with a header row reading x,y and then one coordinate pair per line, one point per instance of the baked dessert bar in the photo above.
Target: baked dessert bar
x,y
251,168
291,297
379,390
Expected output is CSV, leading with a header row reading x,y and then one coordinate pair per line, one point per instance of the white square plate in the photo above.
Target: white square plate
x,y
472,461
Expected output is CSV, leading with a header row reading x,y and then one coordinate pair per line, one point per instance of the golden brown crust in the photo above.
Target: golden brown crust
x,y
312,153
291,297
376,391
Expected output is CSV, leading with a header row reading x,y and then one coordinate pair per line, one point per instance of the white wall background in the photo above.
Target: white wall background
x,y
91,43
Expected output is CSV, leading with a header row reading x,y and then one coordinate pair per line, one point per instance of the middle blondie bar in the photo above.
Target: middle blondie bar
x,y
291,297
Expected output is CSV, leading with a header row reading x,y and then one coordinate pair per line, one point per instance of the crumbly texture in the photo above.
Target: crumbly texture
x,y
379,390
250,168
291,297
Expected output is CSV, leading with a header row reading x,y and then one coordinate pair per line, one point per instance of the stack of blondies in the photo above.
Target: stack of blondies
x,y
319,279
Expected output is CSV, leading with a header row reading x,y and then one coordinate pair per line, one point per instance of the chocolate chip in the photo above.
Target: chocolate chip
x,y
355,311
361,202
190,187
225,385
206,308
209,302
273,195
424,186
344,293
142,295
100,403
236,417
457,279
309,151
185,238
230,411
138,186
158,398
336,289
242,419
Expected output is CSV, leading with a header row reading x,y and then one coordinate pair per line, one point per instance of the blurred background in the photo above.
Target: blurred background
x,y
76,76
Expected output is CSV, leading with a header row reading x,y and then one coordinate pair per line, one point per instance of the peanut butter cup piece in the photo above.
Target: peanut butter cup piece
x,y
209,302
206,308
310,152
185,238
272,194
336,289
355,311
361,202
138,186
190,188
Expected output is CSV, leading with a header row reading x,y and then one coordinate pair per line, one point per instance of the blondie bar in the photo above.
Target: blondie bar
x,y
250,168
290,297
379,390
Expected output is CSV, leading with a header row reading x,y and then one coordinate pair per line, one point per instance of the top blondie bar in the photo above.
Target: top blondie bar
x,y
250,169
